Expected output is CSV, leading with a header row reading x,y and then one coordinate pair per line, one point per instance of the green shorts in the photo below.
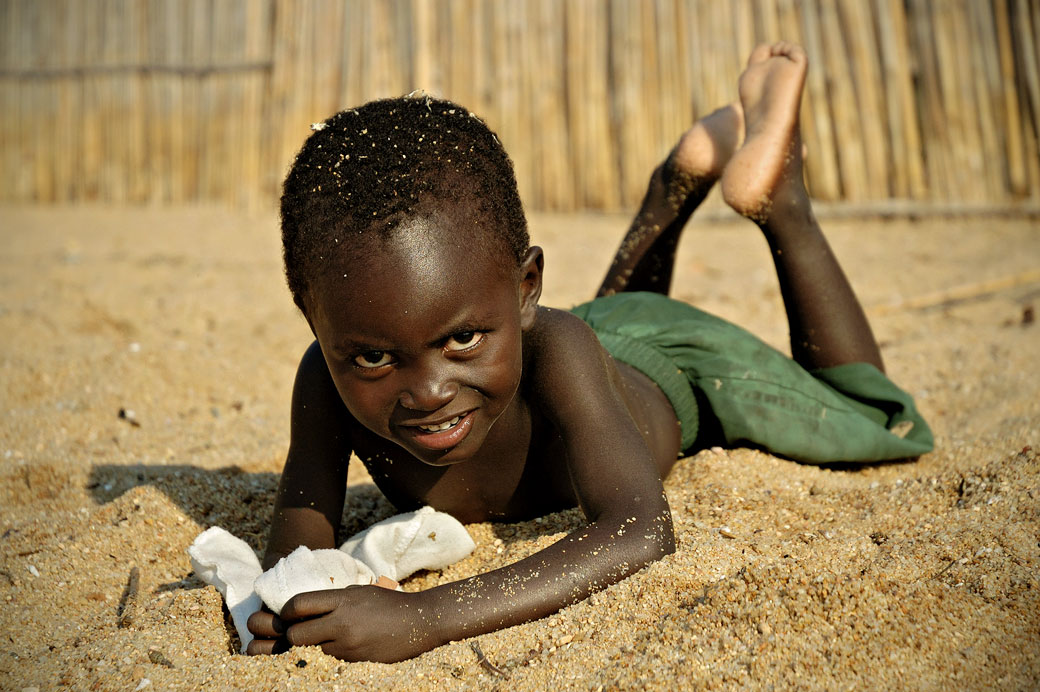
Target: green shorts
x,y
755,395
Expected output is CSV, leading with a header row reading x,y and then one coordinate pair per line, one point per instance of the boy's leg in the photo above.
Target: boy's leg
x,y
647,254
763,182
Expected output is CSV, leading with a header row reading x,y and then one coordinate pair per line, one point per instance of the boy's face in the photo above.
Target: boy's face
x,y
422,334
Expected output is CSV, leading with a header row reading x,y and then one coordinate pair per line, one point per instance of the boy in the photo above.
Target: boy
x,y
406,249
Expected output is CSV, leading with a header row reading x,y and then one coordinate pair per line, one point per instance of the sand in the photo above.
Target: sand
x,y
147,359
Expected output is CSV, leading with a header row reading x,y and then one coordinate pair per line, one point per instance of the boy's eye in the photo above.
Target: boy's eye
x,y
463,340
372,359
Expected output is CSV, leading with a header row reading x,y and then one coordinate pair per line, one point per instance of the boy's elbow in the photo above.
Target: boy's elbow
x,y
665,543
669,544
664,532
650,538
660,527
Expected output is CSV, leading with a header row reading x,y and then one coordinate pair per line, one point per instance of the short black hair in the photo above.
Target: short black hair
x,y
367,169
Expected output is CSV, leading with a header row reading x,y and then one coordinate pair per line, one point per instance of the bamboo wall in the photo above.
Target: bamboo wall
x,y
932,101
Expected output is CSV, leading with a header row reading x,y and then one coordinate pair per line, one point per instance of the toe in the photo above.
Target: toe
x,y
791,51
761,53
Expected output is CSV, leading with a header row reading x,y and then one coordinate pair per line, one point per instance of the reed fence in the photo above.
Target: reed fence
x,y
927,103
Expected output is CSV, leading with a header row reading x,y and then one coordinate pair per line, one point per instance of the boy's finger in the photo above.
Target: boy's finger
x,y
265,624
308,633
311,603
261,646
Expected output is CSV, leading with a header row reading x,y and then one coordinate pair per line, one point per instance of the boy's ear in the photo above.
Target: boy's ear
x,y
530,285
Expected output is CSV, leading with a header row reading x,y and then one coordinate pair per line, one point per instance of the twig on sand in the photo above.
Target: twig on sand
x,y
128,603
946,569
485,663
958,294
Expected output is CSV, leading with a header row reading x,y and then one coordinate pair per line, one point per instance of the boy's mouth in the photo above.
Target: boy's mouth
x,y
446,425
444,435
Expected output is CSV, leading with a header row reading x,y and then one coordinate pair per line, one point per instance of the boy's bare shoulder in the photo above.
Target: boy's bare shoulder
x,y
562,353
560,333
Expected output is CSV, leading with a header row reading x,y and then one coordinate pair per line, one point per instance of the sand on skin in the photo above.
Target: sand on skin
x,y
920,575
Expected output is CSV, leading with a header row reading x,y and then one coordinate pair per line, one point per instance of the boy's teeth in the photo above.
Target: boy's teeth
x,y
443,426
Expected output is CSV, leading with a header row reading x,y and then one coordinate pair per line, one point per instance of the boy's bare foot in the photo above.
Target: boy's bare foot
x,y
645,259
767,170
704,150
763,181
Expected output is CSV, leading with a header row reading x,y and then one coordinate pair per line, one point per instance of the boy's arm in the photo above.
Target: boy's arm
x,y
616,483
309,502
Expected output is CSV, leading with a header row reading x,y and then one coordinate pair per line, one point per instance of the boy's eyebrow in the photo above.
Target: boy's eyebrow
x,y
465,325
350,345
468,324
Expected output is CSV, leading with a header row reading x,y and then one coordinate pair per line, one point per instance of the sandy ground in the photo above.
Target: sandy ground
x,y
919,575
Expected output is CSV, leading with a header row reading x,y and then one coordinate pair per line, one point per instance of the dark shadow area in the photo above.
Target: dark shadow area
x,y
860,465
229,497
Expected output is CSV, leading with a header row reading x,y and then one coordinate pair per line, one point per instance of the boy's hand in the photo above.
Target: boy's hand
x,y
358,623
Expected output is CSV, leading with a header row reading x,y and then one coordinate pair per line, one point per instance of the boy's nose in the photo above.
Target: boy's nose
x,y
429,390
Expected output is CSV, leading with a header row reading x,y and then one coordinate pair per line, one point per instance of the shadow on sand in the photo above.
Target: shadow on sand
x,y
229,497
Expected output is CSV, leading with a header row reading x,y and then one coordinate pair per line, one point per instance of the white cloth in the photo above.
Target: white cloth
x,y
404,544
396,547
229,564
